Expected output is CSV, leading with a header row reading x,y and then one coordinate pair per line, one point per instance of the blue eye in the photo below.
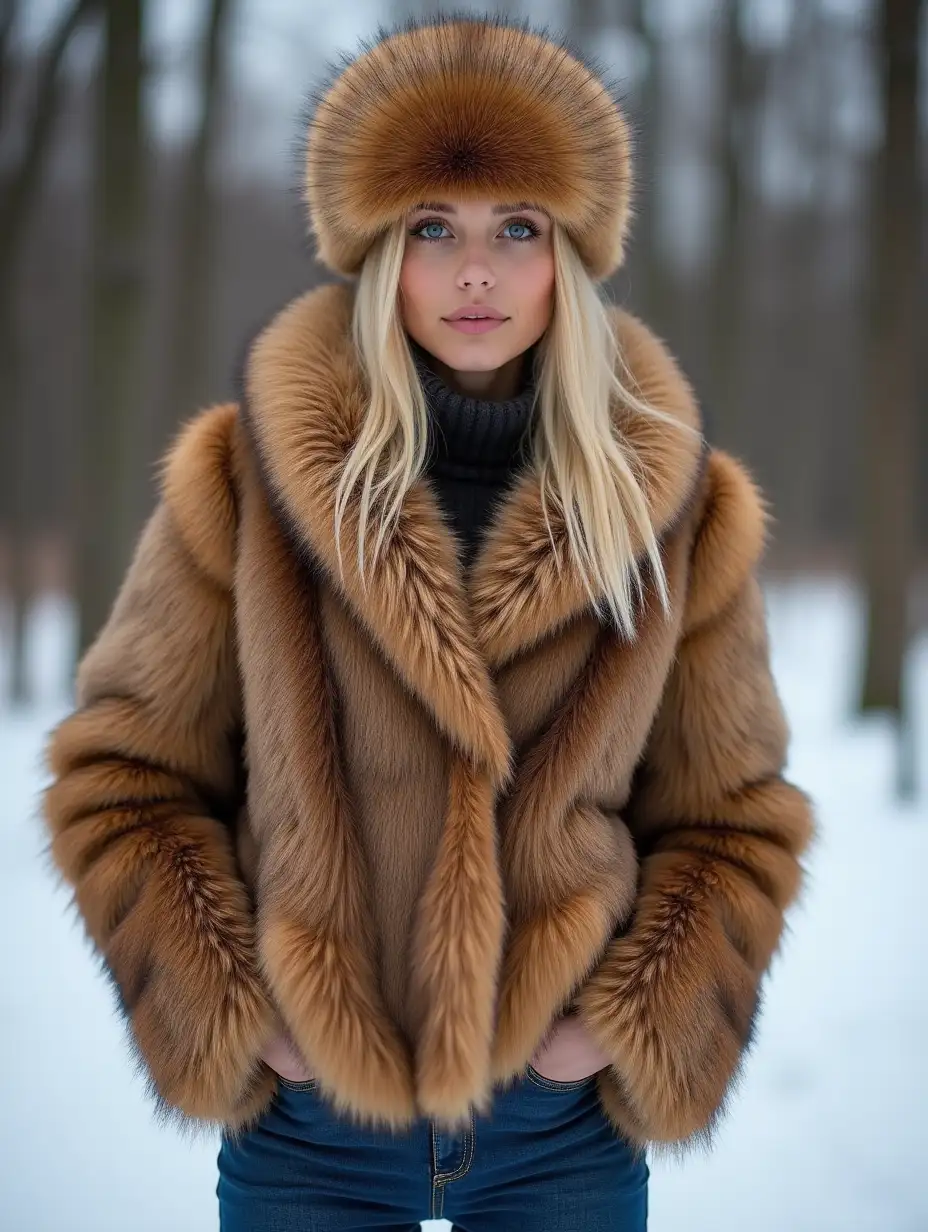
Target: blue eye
x,y
419,232
526,226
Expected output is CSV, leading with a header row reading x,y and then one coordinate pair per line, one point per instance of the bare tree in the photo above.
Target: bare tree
x,y
16,207
107,527
585,20
7,16
888,454
194,251
726,298
741,87
653,295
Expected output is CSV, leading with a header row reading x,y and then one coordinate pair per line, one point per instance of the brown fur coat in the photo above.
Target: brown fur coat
x,y
419,820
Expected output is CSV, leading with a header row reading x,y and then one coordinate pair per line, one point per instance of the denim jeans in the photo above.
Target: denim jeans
x,y
543,1159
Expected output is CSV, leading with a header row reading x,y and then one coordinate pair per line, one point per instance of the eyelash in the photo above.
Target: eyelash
x,y
534,232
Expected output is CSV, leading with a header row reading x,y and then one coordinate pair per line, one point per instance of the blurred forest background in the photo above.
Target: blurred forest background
x,y
151,222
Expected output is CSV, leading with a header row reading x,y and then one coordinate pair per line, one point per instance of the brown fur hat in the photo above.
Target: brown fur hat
x,y
468,106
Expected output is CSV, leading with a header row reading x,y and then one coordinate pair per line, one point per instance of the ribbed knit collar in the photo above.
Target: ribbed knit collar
x,y
468,431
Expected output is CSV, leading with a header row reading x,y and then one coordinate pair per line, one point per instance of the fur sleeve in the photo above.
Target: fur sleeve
x,y
145,777
720,832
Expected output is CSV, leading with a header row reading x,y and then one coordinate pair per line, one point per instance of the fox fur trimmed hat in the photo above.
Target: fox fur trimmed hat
x,y
467,106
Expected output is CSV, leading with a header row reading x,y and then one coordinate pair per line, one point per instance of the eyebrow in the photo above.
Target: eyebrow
x,y
445,208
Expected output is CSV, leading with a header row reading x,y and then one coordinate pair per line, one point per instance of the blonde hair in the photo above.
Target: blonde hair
x,y
583,465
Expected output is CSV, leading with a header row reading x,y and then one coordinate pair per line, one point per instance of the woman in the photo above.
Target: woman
x,y
424,798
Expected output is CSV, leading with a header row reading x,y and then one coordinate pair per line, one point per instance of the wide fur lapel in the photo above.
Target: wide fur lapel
x,y
444,633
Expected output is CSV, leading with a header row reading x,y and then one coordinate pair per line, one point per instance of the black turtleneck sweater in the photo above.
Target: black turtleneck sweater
x,y
476,447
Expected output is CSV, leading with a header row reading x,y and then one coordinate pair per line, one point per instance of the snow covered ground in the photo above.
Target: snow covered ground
x,y
827,1133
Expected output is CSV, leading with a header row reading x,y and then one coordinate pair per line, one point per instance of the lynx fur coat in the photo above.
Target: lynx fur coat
x,y
420,819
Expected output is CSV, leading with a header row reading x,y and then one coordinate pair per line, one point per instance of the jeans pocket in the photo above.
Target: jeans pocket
x,y
292,1084
554,1084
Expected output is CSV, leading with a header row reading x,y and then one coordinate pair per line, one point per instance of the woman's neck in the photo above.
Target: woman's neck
x,y
498,384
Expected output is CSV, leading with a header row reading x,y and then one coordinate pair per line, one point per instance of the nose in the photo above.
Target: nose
x,y
475,271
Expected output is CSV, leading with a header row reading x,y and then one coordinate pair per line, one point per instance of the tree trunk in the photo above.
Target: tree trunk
x,y
7,14
584,19
16,209
653,296
191,318
107,528
888,463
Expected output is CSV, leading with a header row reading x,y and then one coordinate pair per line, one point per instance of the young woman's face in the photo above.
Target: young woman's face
x,y
476,256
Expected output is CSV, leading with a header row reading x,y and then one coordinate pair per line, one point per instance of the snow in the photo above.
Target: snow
x,y
826,1132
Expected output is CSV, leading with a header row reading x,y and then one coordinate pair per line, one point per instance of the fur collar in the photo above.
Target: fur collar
x,y
445,632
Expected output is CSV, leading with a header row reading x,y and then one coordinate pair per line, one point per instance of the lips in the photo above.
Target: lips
x,y
483,325
476,312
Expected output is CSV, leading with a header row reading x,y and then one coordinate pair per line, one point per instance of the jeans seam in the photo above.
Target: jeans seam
x,y
442,1178
438,1200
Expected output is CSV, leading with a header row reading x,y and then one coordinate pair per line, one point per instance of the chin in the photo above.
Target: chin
x,y
473,357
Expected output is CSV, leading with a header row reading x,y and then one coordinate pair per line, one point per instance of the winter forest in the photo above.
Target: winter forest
x,y
151,222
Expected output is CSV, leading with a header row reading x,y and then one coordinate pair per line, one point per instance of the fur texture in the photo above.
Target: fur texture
x,y
469,803
467,107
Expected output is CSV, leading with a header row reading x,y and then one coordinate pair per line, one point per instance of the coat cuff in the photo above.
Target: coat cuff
x,y
674,1001
161,899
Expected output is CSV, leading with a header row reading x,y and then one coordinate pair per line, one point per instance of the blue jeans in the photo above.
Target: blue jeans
x,y
544,1159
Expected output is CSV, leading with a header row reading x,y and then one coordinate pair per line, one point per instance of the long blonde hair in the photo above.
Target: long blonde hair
x,y
583,466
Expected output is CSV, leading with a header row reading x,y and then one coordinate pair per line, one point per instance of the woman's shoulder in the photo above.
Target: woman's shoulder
x,y
657,375
730,512
203,472
198,479
732,520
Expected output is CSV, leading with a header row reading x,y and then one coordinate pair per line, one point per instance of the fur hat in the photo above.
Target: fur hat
x,y
467,106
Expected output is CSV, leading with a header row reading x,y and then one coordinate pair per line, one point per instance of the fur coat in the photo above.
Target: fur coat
x,y
420,819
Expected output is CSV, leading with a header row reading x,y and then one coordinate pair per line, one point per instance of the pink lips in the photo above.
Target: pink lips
x,y
474,327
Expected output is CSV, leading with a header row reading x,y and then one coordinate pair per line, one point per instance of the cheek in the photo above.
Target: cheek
x,y
538,290
417,284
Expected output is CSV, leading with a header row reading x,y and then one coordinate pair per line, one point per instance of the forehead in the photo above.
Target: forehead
x,y
450,207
